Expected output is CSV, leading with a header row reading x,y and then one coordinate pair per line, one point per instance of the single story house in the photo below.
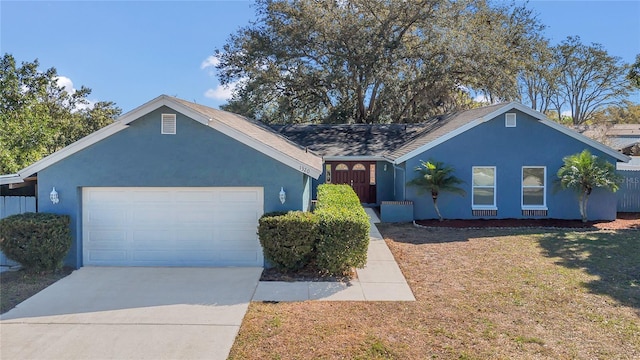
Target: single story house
x,y
174,183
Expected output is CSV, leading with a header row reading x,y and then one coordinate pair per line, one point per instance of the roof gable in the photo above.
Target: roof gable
x,y
248,132
450,126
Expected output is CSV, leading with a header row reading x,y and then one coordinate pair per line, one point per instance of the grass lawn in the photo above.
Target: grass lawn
x,y
500,294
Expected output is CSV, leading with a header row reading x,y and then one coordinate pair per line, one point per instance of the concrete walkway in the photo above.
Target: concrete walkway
x,y
380,279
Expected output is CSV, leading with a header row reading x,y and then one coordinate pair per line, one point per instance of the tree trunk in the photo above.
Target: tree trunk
x,y
583,206
435,205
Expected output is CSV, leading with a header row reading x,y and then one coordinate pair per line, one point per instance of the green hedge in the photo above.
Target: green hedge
x,y
38,241
344,230
288,239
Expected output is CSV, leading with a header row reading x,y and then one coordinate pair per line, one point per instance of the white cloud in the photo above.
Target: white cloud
x,y
67,85
481,98
219,93
211,61
223,92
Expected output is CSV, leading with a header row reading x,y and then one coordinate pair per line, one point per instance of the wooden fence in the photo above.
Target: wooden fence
x,y
629,192
10,205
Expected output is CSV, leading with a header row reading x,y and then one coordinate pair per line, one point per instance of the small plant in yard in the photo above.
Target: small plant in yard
x,y
582,173
435,177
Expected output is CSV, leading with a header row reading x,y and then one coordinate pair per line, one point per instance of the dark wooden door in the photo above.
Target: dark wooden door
x,y
358,175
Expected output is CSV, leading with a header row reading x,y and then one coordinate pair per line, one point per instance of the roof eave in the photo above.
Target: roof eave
x,y
10,179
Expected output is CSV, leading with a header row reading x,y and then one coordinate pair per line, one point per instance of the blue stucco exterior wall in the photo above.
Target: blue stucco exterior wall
x,y
384,181
140,156
530,143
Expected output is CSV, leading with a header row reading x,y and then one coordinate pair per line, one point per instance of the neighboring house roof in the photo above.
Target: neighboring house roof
x,y
632,165
248,132
630,130
354,140
619,136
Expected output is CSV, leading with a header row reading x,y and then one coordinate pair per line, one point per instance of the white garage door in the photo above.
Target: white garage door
x,y
171,226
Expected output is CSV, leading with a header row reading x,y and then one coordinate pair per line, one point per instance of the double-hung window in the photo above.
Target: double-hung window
x,y
534,187
484,187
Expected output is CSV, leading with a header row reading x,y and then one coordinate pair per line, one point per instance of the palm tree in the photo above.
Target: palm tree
x,y
435,177
583,172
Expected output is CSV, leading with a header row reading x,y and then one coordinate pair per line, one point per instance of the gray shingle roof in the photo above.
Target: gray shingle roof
x,y
383,140
351,140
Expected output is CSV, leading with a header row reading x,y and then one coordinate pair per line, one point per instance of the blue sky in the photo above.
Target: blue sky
x,y
129,52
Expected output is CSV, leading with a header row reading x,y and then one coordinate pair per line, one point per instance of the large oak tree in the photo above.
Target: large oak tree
x,y
374,61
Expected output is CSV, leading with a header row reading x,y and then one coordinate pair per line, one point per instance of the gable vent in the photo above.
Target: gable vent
x,y
510,120
168,124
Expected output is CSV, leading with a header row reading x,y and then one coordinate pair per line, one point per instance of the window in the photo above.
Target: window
x,y
168,124
328,174
372,174
484,187
510,120
533,186
342,167
359,167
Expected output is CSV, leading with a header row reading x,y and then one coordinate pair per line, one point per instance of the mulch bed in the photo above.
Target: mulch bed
x,y
625,221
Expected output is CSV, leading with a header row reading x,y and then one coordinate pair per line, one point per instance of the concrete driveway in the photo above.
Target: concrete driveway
x,y
131,313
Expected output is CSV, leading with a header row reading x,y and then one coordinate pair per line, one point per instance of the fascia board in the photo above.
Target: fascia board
x,y
10,179
159,102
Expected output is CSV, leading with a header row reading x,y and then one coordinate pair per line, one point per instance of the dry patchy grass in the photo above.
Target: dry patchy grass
x,y
499,294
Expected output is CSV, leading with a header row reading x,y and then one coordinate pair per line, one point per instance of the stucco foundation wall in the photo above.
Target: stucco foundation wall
x,y
140,156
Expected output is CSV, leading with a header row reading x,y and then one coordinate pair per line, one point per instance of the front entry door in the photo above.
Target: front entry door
x,y
360,175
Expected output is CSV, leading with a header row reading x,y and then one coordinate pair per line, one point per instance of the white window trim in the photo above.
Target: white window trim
x,y
495,189
544,192
510,117
168,117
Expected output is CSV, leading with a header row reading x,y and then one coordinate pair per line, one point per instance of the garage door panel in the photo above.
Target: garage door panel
x,y
108,217
235,216
172,226
202,239
111,197
240,258
105,239
181,258
107,257
196,196
235,196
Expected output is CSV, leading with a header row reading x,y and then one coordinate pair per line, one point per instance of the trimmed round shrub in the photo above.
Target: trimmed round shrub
x,y
288,239
38,241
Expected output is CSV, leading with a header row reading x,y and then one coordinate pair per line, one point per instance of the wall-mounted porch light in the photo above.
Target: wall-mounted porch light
x,y
54,196
283,195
